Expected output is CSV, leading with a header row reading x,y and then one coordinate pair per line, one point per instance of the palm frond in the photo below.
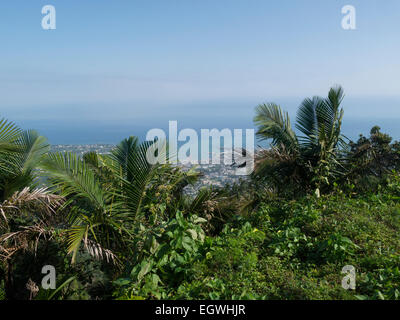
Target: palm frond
x,y
274,124
140,172
307,122
26,239
9,133
37,200
75,237
123,152
33,148
39,197
97,251
73,179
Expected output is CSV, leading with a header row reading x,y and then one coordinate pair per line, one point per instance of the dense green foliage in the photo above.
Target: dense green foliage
x,y
116,227
294,250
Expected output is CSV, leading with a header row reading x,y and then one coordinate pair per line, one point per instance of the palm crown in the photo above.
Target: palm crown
x,y
314,153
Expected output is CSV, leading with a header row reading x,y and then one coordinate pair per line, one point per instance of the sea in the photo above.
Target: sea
x,y
77,133
108,124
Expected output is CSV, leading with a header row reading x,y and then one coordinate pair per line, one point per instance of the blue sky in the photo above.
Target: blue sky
x,y
202,62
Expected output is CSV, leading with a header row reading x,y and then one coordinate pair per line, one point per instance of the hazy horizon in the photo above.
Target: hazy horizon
x,y
358,119
113,69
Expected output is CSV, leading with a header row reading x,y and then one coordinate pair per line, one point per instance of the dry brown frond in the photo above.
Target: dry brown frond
x,y
48,201
276,154
98,252
32,288
26,240
37,201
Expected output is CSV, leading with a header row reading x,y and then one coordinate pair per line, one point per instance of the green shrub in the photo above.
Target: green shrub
x,y
167,256
303,248
229,267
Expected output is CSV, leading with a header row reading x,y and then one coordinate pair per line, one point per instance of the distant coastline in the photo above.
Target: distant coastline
x,y
62,133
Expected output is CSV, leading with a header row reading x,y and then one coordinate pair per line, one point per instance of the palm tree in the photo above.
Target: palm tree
x,y
309,160
111,197
25,207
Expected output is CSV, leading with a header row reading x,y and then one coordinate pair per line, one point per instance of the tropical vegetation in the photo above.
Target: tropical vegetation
x,y
117,227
